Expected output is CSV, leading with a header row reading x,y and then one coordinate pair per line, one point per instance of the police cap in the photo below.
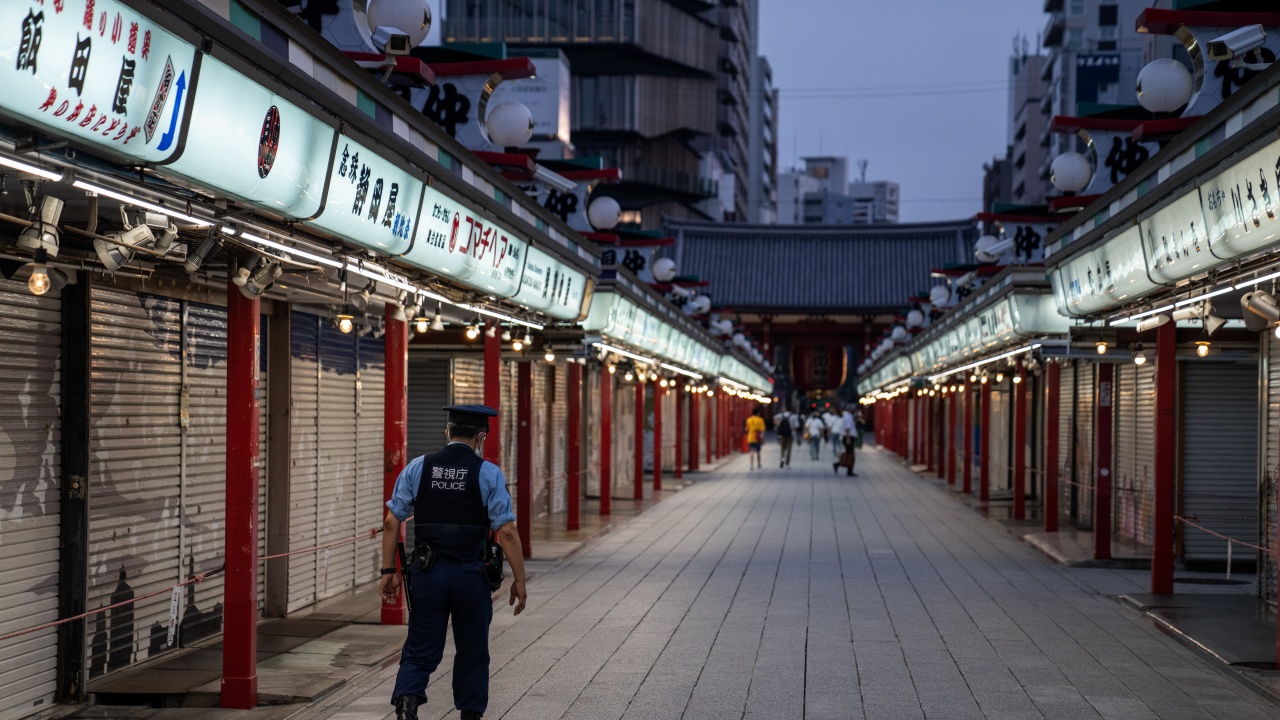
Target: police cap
x,y
475,415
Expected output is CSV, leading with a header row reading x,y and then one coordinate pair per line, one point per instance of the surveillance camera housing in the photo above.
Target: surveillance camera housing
x,y
398,45
1237,42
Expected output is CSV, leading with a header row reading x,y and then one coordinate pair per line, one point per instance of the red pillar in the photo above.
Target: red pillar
x,y
678,390
950,444
240,591
1162,528
574,388
1102,485
606,442
695,417
967,476
713,429
394,429
639,459
658,392
984,452
524,452
493,394
1053,384
926,437
1020,445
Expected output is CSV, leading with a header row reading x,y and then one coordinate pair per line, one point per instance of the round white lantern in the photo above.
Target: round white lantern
x,y
915,319
1164,85
899,332
1070,172
510,124
603,213
939,295
409,17
664,270
739,339
700,305
726,326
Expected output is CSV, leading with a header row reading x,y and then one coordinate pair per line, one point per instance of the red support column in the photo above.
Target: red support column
x,y
606,442
240,591
695,423
658,392
493,394
574,480
394,429
1162,527
1020,445
1102,485
950,444
984,449
967,454
524,452
1053,385
713,427
927,435
638,493
678,389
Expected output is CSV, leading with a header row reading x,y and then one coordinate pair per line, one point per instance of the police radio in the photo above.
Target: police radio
x,y
493,559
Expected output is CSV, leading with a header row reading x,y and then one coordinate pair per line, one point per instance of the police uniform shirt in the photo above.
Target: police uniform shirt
x,y
493,491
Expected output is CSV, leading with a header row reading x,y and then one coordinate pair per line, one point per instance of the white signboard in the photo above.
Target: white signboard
x,y
1242,203
1110,274
546,95
371,201
1175,242
96,71
249,142
551,287
456,242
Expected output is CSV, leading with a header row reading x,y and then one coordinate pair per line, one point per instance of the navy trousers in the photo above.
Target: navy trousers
x,y
451,589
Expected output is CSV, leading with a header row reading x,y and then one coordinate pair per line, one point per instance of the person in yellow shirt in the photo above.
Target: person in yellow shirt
x,y
755,436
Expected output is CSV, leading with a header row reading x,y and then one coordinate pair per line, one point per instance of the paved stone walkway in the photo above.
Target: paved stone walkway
x,y
800,594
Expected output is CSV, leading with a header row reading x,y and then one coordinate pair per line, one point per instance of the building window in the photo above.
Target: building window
x,y
1076,8
1106,44
1075,39
1108,15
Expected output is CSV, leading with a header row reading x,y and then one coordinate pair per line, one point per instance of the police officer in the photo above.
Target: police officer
x,y
455,497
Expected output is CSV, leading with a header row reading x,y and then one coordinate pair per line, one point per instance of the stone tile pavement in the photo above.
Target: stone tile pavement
x,y
800,594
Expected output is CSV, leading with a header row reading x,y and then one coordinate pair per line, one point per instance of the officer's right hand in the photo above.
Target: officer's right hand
x,y
388,587
517,594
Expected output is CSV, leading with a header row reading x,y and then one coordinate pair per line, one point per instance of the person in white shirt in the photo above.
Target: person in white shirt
x,y
813,428
832,434
848,437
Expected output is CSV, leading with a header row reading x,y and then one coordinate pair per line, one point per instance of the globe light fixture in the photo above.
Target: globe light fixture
x,y
1164,86
1070,172
510,124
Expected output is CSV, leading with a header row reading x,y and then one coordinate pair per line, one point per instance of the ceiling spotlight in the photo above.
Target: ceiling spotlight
x,y
491,331
43,232
263,276
1102,347
1202,348
203,253
1152,322
345,318
114,255
360,300
528,338
506,335
437,322
1260,309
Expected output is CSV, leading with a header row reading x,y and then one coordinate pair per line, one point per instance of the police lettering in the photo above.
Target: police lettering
x,y
440,485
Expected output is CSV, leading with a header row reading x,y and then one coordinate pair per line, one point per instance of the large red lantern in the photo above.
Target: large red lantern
x,y
821,368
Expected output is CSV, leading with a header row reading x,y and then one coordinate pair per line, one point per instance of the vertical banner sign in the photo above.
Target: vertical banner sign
x,y
95,71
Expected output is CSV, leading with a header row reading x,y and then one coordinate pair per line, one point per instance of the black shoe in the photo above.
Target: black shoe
x,y
835,468
472,715
406,707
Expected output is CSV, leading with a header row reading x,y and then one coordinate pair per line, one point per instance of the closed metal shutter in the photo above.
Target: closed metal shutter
x,y
624,439
555,435
157,503
1219,456
997,438
304,432
1134,447
337,486
30,470
669,432
370,425
510,424
1124,426
468,381
1086,399
1267,566
590,439
1066,433
540,477
428,376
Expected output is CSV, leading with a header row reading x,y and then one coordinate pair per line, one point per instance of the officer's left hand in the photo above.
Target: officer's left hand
x,y
389,586
518,596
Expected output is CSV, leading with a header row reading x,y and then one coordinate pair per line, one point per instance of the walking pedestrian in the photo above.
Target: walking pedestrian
x,y
848,435
755,436
785,428
830,430
456,498
813,429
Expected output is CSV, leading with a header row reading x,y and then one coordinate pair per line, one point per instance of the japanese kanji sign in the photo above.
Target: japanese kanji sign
x,y
460,243
371,198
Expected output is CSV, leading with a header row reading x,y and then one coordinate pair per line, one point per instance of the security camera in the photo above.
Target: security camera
x,y
398,45
1237,42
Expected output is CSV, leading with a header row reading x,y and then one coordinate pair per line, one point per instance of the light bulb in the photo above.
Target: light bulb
x,y
663,383
629,376
973,378
999,377
613,369
517,345
1202,348
473,332
653,377
1278,331
984,379
1139,358
1102,348
39,283
344,324
550,356
421,325
1017,379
